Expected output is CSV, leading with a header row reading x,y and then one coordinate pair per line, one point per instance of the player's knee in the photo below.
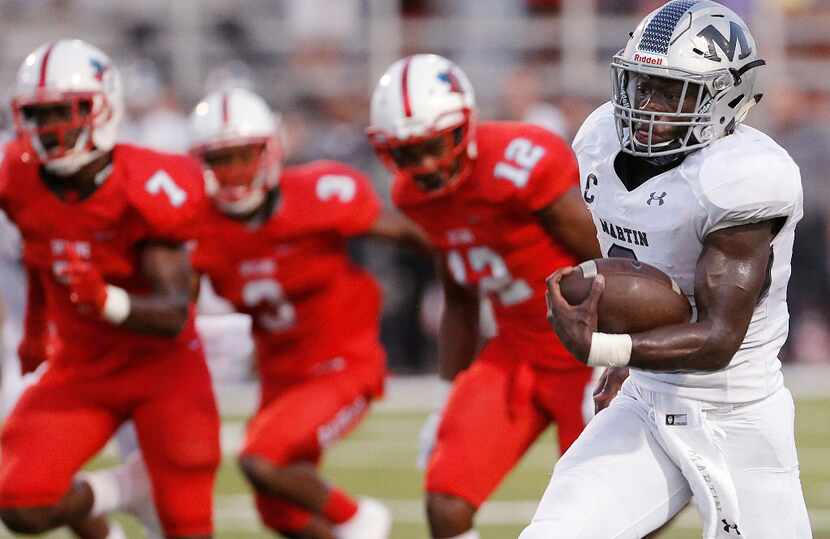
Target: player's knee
x,y
29,520
449,515
203,459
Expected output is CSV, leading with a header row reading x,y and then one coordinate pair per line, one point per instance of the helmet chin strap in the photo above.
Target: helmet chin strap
x,y
71,163
664,160
245,205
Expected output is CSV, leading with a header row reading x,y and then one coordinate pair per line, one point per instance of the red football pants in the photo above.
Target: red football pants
x,y
296,422
66,418
496,409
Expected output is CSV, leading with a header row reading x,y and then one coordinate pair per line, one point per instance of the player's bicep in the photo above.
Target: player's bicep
x,y
568,222
731,274
167,267
393,226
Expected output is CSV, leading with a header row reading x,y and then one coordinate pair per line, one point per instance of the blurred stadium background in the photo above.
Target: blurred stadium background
x,y
543,61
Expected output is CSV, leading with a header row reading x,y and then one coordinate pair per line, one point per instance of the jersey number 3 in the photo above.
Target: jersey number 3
x,y
277,314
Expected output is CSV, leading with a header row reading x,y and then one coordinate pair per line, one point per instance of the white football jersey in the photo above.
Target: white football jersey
x,y
742,178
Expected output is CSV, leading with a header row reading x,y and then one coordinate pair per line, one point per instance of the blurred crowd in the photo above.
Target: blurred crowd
x,y
321,85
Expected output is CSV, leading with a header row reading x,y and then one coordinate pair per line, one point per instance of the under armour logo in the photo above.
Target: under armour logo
x,y
727,527
653,197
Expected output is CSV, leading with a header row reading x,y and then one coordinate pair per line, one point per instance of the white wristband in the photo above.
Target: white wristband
x,y
117,306
609,350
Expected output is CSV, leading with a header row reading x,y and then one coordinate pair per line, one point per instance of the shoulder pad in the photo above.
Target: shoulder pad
x,y
334,195
599,121
747,179
167,190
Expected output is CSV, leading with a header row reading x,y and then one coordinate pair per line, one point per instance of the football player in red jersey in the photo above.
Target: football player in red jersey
x,y
501,203
273,243
103,227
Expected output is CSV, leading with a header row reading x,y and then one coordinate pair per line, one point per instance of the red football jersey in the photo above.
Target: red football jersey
x,y
487,229
293,274
146,196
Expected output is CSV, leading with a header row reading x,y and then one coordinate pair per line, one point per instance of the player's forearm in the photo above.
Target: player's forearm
x,y
394,227
703,346
163,315
457,340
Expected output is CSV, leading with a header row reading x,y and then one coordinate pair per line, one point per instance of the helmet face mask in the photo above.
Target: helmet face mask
x,y
435,162
68,104
235,136
239,173
423,123
57,129
684,79
658,115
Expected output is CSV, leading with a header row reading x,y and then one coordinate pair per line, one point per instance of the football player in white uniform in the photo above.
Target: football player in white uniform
x,y
673,178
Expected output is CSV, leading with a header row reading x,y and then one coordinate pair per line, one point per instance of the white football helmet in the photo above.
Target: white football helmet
x,y
419,98
73,73
237,118
710,51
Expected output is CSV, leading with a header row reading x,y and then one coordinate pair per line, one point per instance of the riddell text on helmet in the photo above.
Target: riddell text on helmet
x,y
648,59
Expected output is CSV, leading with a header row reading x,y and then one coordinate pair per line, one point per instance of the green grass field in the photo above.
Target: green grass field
x,y
378,460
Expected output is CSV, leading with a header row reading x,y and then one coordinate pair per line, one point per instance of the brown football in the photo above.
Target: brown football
x,y
637,296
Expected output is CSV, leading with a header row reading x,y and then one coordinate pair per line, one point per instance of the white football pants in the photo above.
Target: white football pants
x,y
617,482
